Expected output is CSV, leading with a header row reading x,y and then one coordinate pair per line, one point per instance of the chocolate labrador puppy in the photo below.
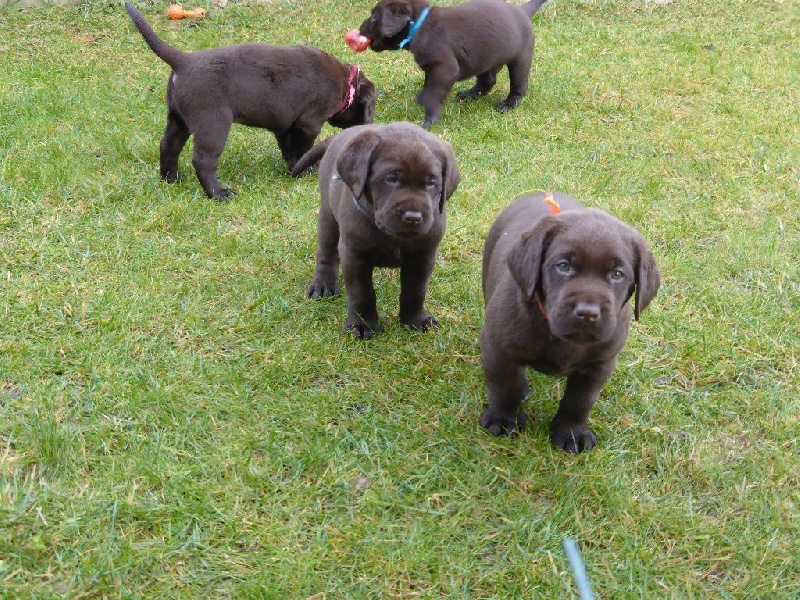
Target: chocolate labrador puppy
x,y
383,191
291,91
453,43
557,290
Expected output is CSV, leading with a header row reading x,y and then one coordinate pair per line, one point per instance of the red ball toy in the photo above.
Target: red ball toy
x,y
356,41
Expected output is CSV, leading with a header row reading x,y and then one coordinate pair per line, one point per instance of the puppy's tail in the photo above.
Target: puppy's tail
x,y
172,56
310,158
531,7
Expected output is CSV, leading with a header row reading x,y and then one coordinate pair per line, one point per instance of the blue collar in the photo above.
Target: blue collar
x,y
414,27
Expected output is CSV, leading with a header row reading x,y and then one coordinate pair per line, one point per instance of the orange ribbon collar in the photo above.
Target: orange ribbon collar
x,y
555,208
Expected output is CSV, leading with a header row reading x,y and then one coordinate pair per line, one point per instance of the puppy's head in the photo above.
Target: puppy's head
x,y
387,24
402,173
582,267
362,110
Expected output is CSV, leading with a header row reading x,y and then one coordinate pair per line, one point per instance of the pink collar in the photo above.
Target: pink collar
x,y
351,90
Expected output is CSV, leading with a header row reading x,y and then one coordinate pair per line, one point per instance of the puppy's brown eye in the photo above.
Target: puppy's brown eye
x,y
617,275
393,177
431,183
563,266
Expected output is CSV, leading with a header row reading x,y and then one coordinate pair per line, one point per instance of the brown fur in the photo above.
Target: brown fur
x,y
383,190
454,43
557,290
291,91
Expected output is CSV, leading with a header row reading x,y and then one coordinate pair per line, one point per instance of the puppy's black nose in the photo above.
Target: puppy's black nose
x,y
587,312
412,216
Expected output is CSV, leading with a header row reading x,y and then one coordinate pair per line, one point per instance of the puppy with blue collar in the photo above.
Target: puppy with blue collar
x,y
454,43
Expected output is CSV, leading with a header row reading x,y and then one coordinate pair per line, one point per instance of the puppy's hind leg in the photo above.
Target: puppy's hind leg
x,y
209,142
295,142
519,72
172,142
483,85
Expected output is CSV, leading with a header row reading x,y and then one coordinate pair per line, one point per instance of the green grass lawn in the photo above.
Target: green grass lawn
x,y
177,420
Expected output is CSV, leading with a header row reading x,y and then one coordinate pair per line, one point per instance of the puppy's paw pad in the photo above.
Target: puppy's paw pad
x,y
502,424
573,439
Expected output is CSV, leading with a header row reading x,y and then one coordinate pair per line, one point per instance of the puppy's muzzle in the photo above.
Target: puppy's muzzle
x,y
408,218
585,320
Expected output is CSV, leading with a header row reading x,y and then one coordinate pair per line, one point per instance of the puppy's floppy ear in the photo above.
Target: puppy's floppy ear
x,y
647,276
526,257
354,161
450,173
394,18
367,95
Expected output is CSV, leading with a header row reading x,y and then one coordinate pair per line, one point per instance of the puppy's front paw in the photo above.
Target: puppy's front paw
x,y
223,194
573,439
509,103
469,94
363,330
420,322
172,176
498,423
322,288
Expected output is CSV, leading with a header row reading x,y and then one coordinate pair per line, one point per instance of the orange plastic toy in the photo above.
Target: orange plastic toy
x,y
176,11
